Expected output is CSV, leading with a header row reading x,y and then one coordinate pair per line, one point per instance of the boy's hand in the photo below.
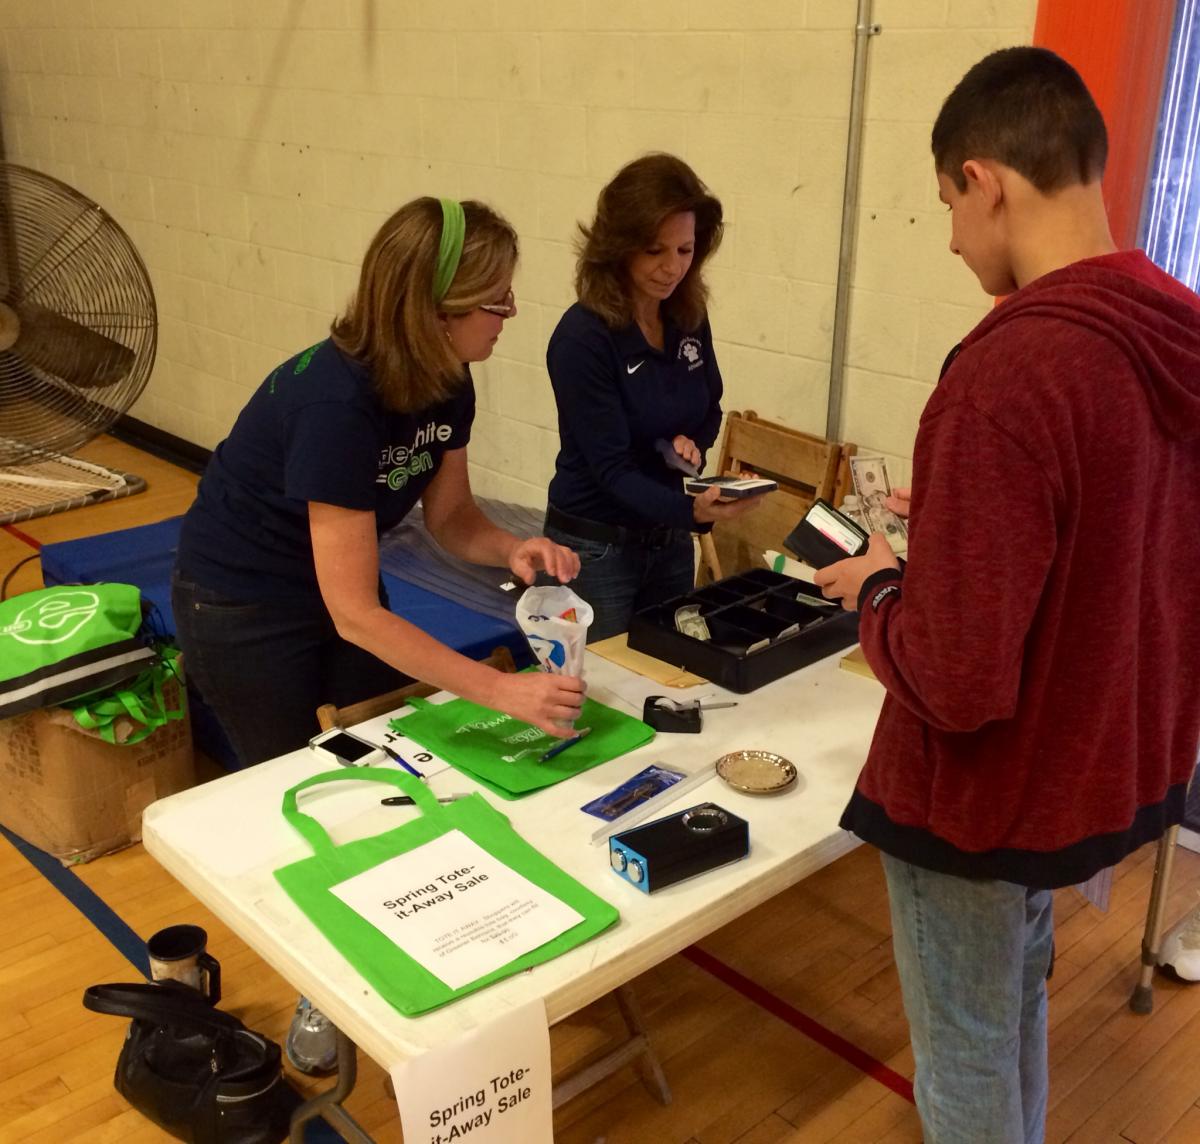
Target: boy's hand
x,y
899,500
844,580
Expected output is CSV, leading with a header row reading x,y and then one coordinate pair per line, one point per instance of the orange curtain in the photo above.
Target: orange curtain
x,y
1120,49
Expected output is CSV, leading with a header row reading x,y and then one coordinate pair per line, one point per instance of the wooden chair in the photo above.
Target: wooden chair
x,y
805,467
330,716
634,1048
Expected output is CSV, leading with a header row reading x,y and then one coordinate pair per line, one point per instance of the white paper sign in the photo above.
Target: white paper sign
x,y
455,909
493,1085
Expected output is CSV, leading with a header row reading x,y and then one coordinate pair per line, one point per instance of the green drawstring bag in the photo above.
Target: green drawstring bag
x,y
62,642
503,754
133,711
402,981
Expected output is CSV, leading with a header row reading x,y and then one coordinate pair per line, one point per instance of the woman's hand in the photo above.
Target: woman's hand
x,y
708,508
687,449
541,553
899,501
549,702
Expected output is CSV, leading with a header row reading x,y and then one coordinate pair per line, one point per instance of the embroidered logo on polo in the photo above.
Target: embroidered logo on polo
x,y
689,351
399,462
635,367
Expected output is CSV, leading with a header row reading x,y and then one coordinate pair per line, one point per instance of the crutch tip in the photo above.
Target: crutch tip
x,y
1142,1000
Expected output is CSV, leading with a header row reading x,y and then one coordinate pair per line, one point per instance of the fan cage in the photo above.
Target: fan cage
x,y
84,306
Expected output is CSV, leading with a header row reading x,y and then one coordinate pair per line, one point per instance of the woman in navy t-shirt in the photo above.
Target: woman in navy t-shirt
x,y
277,593
637,386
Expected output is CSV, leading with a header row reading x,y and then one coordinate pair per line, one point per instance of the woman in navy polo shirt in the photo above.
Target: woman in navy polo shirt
x,y
636,381
277,595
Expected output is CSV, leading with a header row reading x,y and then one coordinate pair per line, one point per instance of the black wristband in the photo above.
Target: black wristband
x,y
878,587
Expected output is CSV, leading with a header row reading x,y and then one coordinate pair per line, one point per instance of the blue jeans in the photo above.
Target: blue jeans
x,y
618,580
973,957
264,669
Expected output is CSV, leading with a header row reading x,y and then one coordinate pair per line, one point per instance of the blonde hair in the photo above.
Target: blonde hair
x,y
391,325
629,211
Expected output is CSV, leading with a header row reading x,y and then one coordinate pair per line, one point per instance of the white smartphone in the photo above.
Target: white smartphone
x,y
346,748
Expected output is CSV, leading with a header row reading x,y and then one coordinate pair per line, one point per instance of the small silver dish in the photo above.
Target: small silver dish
x,y
756,772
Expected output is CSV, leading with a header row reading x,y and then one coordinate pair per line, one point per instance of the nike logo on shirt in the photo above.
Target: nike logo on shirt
x,y
635,368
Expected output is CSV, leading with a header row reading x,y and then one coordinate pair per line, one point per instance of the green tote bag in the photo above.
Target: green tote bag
x,y
398,978
504,754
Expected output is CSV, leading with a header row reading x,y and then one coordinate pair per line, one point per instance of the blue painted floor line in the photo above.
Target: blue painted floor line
x,y
86,901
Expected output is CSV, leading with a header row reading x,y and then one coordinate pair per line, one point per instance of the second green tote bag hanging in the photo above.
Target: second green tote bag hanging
x,y
313,884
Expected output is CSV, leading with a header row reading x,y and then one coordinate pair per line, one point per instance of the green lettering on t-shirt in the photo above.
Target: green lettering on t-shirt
x,y
306,357
418,463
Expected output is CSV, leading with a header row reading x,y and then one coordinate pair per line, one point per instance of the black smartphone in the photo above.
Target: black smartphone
x,y
347,749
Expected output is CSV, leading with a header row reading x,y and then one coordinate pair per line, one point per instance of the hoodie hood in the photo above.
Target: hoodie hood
x,y
1148,316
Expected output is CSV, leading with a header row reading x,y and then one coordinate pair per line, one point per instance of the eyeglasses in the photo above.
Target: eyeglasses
x,y
505,309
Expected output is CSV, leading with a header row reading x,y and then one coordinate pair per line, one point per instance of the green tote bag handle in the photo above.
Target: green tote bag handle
x,y
316,835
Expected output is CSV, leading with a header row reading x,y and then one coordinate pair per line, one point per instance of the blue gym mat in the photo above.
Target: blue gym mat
x,y
145,556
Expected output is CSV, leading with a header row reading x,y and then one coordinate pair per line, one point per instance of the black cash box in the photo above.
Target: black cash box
x,y
761,629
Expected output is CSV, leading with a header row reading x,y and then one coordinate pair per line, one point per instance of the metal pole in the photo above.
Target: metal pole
x,y
863,31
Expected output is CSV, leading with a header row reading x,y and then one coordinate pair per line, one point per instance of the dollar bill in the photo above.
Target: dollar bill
x,y
816,601
689,622
873,486
870,477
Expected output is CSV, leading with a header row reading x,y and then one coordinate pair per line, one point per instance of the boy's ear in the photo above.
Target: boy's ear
x,y
982,177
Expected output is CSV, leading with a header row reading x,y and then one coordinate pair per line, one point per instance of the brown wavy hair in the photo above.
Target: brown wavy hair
x,y
391,325
629,211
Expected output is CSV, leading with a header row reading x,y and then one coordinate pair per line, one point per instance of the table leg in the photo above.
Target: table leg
x,y
635,1048
329,1103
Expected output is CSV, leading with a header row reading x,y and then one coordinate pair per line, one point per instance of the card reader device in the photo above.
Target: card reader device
x,y
663,852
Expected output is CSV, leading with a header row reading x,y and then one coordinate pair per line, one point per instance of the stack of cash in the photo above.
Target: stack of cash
x,y
869,504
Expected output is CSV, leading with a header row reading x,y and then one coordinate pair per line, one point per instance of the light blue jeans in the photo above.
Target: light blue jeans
x,y
973,957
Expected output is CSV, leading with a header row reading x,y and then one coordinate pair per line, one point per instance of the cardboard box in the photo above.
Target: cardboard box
x,y
66,791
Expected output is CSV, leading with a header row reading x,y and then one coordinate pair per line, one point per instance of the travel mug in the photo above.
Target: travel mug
x,y
177,953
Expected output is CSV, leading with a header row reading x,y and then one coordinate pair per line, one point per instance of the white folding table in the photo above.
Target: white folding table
x,y
224,839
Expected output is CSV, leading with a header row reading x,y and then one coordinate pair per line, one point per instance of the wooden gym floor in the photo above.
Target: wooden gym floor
x,y
763,1031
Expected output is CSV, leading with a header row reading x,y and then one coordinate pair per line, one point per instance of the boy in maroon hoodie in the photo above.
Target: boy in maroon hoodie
x,y
1041,648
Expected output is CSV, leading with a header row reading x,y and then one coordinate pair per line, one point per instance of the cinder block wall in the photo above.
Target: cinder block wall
x,y
250,148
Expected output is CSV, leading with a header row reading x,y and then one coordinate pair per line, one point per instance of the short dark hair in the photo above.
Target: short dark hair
x,y
1028,109
629,211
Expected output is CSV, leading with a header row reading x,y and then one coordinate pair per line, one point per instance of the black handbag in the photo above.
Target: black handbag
x,y
197,1072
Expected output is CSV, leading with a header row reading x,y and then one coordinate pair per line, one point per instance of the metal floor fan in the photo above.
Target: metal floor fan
x,y
78,330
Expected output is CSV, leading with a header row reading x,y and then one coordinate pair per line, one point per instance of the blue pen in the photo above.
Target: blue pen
x,y
395,756
558,748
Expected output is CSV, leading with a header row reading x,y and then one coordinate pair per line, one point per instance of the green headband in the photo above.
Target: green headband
x,y
450,248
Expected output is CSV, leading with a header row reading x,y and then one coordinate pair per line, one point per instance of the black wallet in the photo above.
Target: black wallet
x,y
825,536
